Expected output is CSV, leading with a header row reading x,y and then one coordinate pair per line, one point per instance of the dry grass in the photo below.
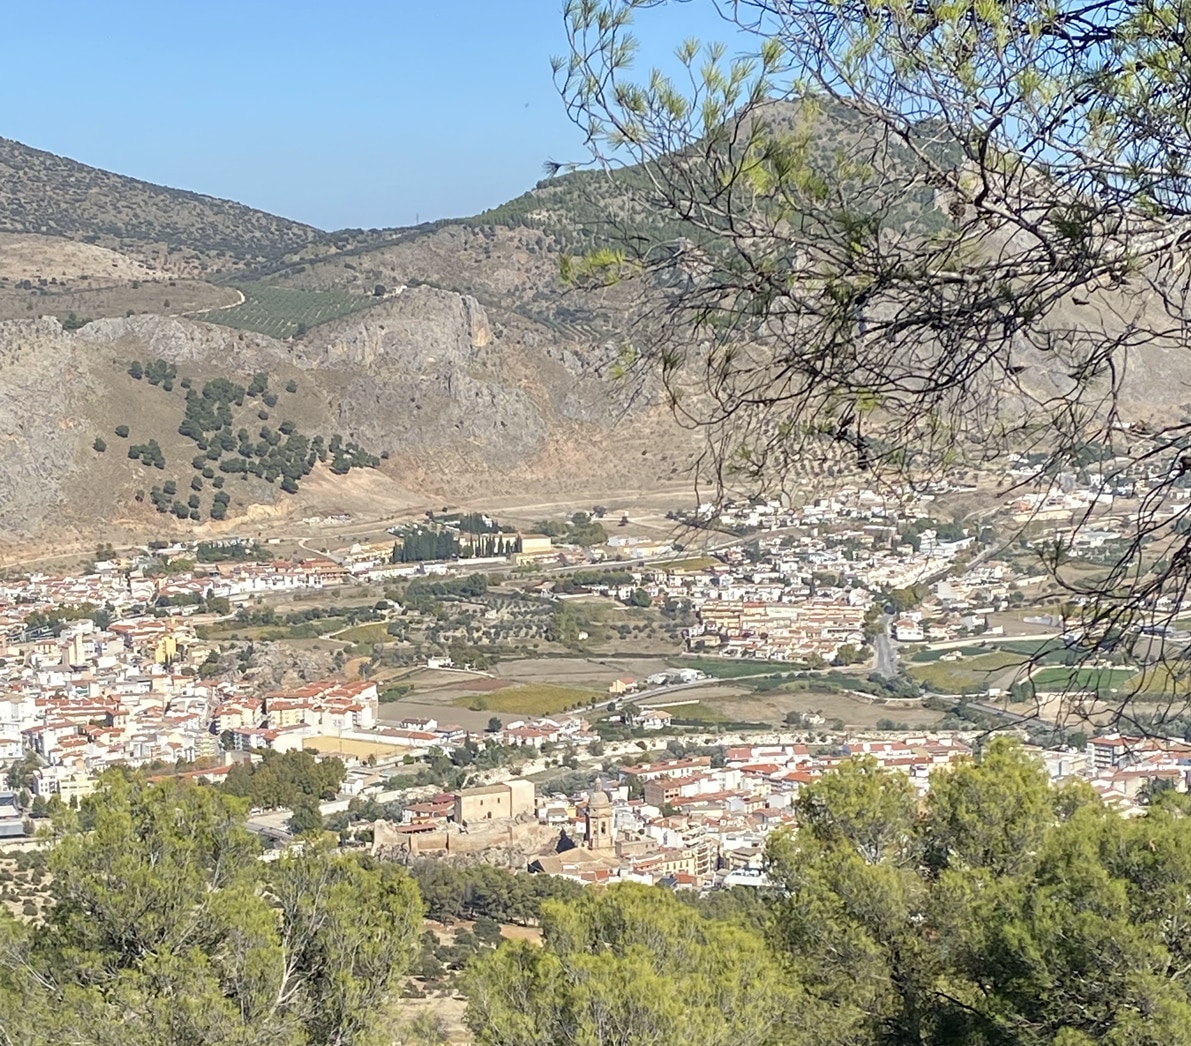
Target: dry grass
x,y
698,712
953,676
21,887
375,632
509,932
92,303
28,256
691,563
350,746
772,706
484,685
1157,682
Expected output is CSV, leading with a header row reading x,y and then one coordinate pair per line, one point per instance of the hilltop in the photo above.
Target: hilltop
x,y
374,369
125,426
178,231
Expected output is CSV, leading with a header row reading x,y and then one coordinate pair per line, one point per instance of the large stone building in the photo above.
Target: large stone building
x,y
494,802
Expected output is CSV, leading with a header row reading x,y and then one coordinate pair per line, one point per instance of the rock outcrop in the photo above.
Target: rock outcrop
x,y
460,404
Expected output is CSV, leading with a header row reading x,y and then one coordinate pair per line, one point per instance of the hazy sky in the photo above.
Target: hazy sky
x,y
352,113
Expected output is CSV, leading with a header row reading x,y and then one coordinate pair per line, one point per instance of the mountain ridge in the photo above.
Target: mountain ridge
x,y
41,192
452,352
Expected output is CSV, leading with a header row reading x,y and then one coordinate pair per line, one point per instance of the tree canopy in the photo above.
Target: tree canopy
x,y
286,779
1001,911
163,928
630,965
917,238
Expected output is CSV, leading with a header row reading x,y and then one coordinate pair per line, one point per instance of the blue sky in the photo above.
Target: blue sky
x,y
354,113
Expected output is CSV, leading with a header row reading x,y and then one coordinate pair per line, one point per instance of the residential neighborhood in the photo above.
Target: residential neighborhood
x,y
116,667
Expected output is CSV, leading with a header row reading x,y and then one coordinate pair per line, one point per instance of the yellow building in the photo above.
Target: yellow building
x,y
494,802
536,545
64,783
166,649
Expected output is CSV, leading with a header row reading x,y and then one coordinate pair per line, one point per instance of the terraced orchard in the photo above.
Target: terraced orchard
x,y
282,312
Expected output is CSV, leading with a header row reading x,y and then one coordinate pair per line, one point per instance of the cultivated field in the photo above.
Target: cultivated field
x,y
1098,679
771,708
998,667
584,673
281,311
544,683
92,303
733,668
1156,682
1073,711
373,632
539,700
696,713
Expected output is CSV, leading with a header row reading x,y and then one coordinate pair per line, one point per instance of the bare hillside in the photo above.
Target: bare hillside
x,y
320,373
440,401
173,363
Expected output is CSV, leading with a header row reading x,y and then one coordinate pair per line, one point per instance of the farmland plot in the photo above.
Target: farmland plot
x,y
282,312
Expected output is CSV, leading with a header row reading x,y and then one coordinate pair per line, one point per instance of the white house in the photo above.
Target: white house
x,y
907,631
654,719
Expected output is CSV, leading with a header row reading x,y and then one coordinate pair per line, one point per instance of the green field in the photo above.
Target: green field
x,y
953,676
1098,679
376,632
280,311
272,633
533,699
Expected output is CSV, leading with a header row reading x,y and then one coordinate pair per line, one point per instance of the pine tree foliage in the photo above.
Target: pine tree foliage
x,y
1003,910
922,236
163,928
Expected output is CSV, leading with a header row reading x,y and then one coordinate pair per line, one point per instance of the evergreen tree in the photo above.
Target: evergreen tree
x,y
162,927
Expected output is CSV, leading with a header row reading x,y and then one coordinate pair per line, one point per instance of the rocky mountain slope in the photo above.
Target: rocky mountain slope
x,y
449,402
447,359
401,367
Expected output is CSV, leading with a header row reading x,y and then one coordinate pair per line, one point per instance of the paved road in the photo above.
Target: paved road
x,y
994,710
272,824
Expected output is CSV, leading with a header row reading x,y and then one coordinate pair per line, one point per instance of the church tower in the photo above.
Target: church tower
x,y
599,820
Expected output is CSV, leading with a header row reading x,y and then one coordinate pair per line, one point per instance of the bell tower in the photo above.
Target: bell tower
x,y
599,820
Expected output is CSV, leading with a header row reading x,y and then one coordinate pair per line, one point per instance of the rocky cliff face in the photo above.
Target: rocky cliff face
x,y
427,377
43,393
422,329
184,342
462,404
